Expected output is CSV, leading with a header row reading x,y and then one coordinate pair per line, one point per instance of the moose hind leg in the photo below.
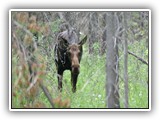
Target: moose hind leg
x,y
74,81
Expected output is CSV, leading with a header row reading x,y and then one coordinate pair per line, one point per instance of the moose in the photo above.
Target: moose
x,y
67,56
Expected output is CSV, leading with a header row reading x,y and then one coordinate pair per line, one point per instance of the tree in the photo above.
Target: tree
x,y
125,59
112,87
104,35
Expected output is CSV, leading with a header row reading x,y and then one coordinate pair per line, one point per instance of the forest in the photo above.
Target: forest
x,y
114,69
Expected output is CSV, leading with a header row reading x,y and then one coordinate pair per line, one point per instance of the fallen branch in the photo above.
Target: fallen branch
x,y
142,60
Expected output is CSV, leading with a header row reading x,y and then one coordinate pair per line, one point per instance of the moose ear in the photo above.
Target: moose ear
x,y
83,41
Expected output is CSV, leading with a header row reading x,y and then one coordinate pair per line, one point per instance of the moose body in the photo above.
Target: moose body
x,y
68,52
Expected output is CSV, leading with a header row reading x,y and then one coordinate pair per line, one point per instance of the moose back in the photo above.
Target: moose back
x,y
67,55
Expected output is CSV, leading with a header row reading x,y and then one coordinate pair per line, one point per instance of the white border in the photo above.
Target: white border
x,y
10,61
150,63
136,109
107,10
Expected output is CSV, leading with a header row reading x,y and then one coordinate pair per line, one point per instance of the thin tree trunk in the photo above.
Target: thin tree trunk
x,y
112,88
125,61
91,34
104,35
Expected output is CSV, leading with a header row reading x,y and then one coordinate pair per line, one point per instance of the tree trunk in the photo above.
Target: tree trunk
x,y
92,31
125,60
112,86
104,35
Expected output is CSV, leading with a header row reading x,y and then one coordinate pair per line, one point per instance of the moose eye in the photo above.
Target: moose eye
x,y
68,52
79,53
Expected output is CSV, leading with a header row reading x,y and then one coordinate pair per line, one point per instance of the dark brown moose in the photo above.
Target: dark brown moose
x,y
68,52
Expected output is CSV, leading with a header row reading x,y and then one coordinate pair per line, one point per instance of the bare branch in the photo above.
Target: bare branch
x,y
45,90
20,47
23,28
141,59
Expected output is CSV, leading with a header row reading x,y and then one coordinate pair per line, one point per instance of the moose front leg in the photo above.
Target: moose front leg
x,y
60,77
74,81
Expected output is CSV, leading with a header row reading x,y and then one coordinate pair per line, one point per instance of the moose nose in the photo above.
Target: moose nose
x,y
75,69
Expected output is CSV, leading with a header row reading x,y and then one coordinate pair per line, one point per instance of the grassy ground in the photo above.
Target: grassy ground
x,y
91,83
